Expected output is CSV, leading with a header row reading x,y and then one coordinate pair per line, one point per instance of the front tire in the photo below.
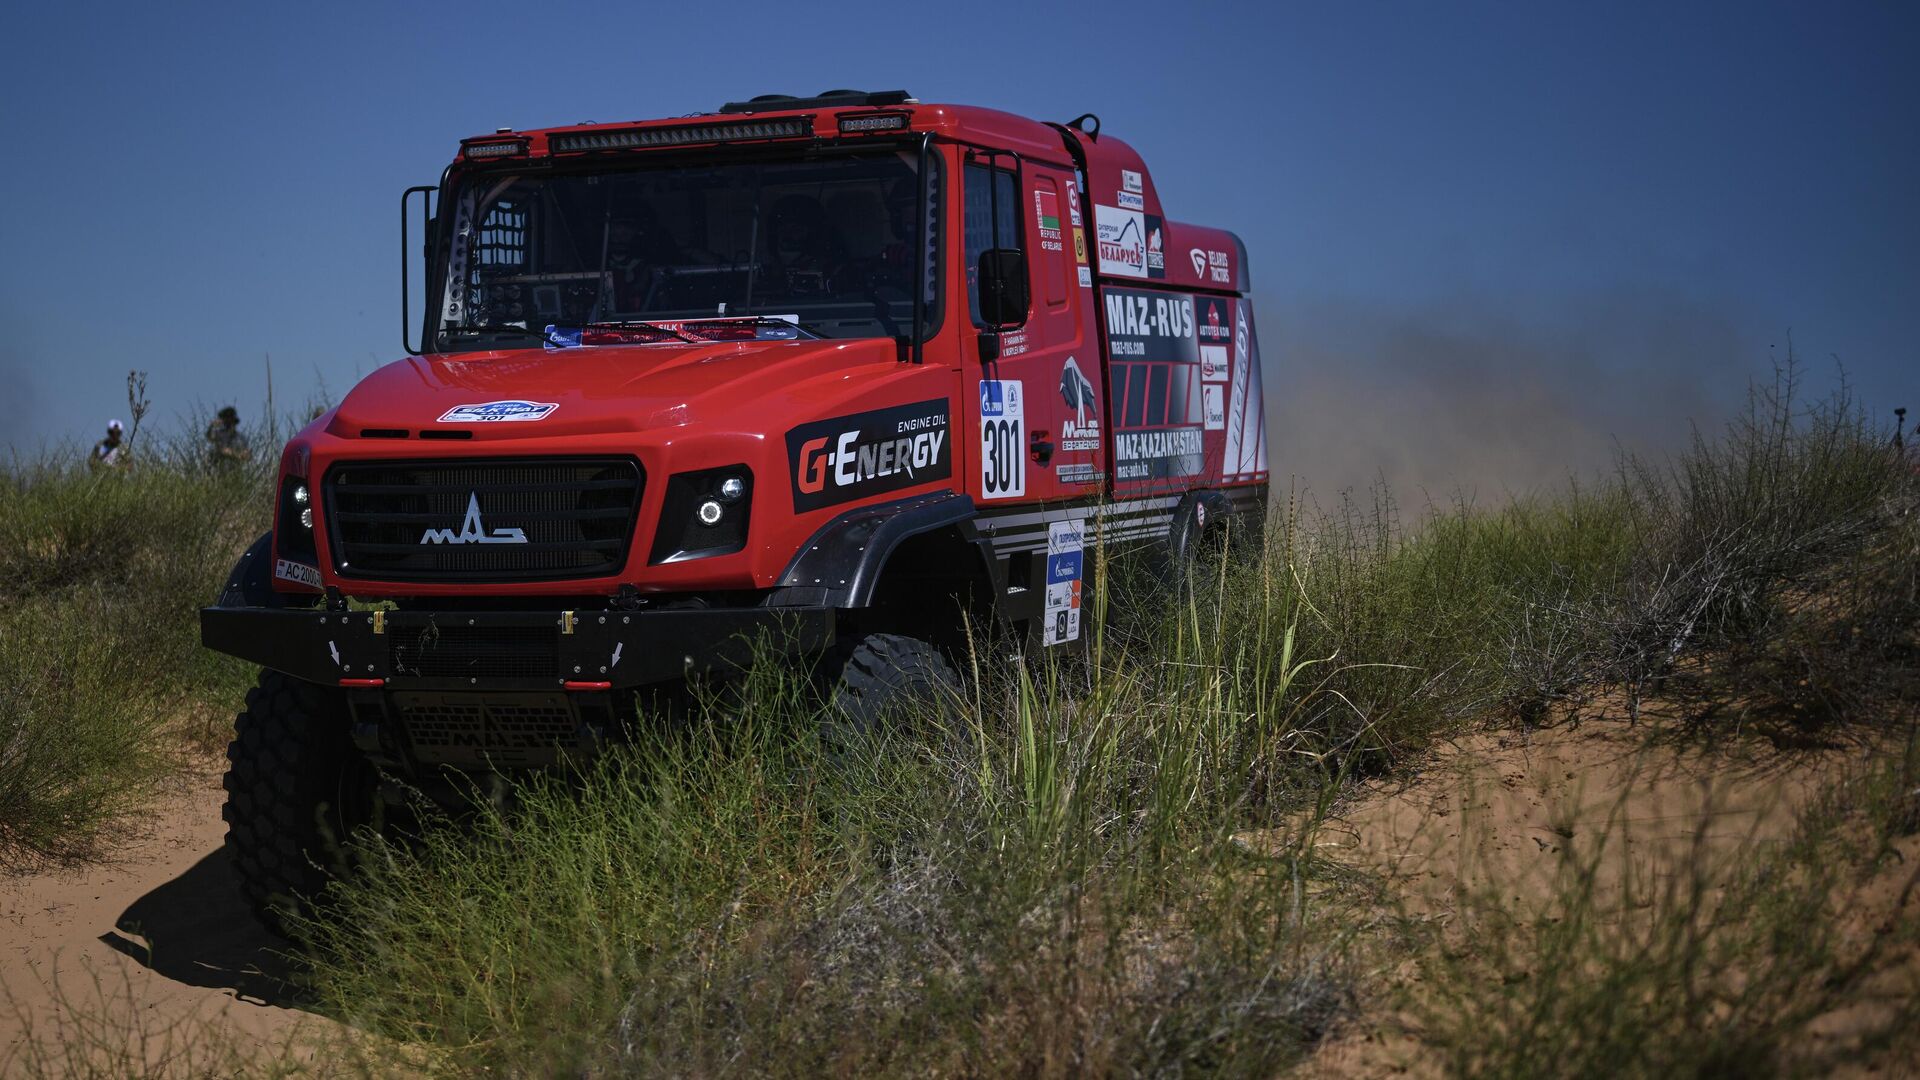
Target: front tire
x,y
296,788
890,678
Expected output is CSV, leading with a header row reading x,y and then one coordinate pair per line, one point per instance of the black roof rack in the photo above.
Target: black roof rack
x,y
826,99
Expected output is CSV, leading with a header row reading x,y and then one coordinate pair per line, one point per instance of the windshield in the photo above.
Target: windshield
x,y
825,241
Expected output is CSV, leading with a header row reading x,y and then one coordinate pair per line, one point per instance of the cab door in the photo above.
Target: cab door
x,y
1038,402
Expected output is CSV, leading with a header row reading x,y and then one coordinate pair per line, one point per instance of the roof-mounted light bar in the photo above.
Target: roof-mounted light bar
x,y
792,127
474,151
861,123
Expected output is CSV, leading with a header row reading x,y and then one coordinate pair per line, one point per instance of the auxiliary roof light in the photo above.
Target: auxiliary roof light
x,y
484,150
856,123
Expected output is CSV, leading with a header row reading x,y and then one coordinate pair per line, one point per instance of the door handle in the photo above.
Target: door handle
x,y
1040,448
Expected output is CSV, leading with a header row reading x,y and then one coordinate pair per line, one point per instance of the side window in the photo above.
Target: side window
x,y
992,220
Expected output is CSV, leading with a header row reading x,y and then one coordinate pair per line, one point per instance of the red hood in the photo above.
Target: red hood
x,y
596,389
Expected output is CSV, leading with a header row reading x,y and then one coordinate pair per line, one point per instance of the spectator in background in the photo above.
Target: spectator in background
x,y
110,452
228,445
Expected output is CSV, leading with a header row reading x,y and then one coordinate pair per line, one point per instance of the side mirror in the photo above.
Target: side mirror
x,y
407,256
1003,288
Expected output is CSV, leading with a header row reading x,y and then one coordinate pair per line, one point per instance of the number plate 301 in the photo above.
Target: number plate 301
x,y
1003,449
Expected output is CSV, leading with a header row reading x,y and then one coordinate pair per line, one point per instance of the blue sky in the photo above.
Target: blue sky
x,y
1487,240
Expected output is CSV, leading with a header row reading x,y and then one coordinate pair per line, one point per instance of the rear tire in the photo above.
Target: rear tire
x,y
296,789
888,678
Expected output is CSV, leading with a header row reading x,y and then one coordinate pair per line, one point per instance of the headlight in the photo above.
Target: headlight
x,y
294,522
704,514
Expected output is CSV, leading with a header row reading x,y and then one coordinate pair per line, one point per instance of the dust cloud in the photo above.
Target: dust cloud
x,y
1468,402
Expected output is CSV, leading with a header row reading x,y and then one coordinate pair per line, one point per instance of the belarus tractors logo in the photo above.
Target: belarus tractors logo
x,y
851,457
473,530
491,411
1210,265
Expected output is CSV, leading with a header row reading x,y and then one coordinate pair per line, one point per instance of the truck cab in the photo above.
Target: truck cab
x,y
829,375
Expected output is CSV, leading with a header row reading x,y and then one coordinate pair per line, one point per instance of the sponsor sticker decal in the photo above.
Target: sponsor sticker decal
x,y
1213,363
851,457
1215,328
1046,213
1150,325
1120,238
298,573
1129,180
1157,455
489,412
1003,439
1086,277
1156,249
1211,266
1081,429
1073,204
1066,547
1130,200
1215,396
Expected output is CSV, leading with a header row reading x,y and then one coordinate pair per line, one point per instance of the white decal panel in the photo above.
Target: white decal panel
x,y
1066,545
489,412
1120,241
1003,439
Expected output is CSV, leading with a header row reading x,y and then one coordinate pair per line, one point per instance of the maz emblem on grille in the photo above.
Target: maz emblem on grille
x,y
472,531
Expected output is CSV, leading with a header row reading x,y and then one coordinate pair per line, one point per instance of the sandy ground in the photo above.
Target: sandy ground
x,y
162,938
1496,814
160,935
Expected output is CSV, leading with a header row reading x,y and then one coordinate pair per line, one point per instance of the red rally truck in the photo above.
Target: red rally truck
x,y
834,374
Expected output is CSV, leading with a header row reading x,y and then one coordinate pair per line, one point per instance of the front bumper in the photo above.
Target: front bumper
x,y
512,650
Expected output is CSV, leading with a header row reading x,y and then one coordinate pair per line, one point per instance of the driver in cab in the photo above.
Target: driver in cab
x,y
638,246
801,244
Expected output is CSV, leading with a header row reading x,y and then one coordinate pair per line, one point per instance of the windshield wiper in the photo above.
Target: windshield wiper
x,y
809,329
476,331
703,331
667,333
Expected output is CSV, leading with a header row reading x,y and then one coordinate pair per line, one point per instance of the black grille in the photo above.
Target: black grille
x,y
476,652
482,520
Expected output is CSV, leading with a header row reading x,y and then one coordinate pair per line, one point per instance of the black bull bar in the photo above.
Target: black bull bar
x,y
510,650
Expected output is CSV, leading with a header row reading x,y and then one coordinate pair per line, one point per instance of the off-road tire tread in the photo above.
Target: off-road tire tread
x,y
884,672
285,761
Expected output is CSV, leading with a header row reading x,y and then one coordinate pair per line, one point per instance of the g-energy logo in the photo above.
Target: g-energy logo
x,y
853,457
